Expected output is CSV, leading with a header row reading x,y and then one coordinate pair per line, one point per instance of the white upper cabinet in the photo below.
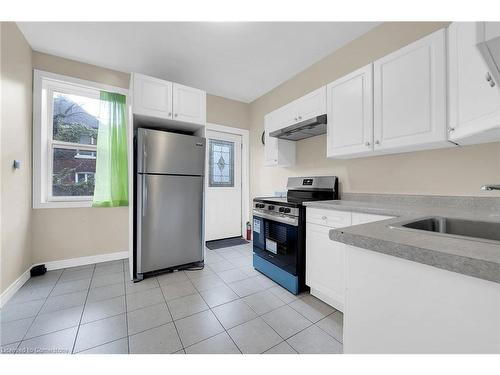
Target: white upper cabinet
x,y
474,103
152,96
410,97
282,117
303,108
159,99
311,105
189,104
277,152
350,114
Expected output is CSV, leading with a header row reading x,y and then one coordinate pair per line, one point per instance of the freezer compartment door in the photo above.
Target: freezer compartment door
x,y
169,221
169,153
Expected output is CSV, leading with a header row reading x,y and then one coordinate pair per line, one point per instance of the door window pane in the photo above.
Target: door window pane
x,y
75,118
221,163
72,175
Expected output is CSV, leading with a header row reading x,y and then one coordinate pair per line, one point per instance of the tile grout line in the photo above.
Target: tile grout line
x,y
126,306
224,328
168,309
38,313
83,311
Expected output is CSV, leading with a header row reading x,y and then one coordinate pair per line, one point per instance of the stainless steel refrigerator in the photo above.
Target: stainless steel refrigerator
x,y
169,200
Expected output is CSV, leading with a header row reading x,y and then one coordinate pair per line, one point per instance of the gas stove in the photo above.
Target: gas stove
x,y
279,229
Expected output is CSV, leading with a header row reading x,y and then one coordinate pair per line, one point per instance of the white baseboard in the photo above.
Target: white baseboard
x,y
56,265
14,287
83,261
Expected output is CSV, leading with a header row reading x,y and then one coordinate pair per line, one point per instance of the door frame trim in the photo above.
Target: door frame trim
x,y
245,168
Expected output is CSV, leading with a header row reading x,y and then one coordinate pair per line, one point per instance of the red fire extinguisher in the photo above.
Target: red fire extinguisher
x,y
249,231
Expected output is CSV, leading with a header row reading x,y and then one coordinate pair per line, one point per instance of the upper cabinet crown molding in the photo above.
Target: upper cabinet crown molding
x,y
163,100
350,114
474,96
410,96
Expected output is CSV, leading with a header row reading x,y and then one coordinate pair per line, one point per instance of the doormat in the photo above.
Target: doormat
x,y
226,242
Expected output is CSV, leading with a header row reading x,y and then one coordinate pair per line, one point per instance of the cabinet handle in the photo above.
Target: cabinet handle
x,y
295,119
175,115
377,142
450,130
300,117
367,143
169,114
492,83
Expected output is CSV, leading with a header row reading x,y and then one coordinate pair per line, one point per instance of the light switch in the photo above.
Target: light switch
x,y
17,164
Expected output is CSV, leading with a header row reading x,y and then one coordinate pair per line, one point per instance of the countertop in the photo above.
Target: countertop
x,y
466,256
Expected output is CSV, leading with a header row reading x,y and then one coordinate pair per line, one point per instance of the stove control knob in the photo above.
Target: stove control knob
x,y
262,205
286,210
270,207
282,209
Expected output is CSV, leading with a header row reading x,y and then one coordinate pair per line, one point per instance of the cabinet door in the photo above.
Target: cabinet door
x,y
189,104
410,96
474,105
350,114
286,116
311,105
277,152
325,266
152,97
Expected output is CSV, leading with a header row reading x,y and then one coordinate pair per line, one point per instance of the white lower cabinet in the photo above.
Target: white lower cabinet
x,y
325,259
397,306
325,266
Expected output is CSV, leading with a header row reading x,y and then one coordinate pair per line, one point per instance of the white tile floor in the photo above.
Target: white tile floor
x,y
227,307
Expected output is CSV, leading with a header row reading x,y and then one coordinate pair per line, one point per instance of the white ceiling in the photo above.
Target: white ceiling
x,y
240,60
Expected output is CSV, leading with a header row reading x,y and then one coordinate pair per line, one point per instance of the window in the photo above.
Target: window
x,y
65,128
221,163
72,147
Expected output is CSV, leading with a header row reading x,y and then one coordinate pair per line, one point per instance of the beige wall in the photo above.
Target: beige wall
x,y
76,232
228,112
67,233
458,171
16,92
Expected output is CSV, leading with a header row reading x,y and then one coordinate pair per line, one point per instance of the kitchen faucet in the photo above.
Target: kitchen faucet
x,y
490,187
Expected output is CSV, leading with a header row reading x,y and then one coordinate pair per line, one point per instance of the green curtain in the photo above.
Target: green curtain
x,y
111,176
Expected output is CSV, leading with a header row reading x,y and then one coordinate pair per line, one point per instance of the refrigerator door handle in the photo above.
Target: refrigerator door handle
x,y
144,196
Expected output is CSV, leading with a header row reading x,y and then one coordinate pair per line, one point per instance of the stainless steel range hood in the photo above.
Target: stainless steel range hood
x,y
304,129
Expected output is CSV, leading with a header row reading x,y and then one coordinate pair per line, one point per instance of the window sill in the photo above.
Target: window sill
x,y
63,204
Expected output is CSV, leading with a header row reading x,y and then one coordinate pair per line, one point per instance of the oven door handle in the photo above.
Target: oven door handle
x,y
279,218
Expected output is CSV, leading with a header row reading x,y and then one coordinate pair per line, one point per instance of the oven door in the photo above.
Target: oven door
x,y
276,240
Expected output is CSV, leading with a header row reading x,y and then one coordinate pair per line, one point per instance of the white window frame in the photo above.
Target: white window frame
x,y
77,179
44,85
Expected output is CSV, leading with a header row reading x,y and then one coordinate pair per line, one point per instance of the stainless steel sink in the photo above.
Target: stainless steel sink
x,y
488,231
